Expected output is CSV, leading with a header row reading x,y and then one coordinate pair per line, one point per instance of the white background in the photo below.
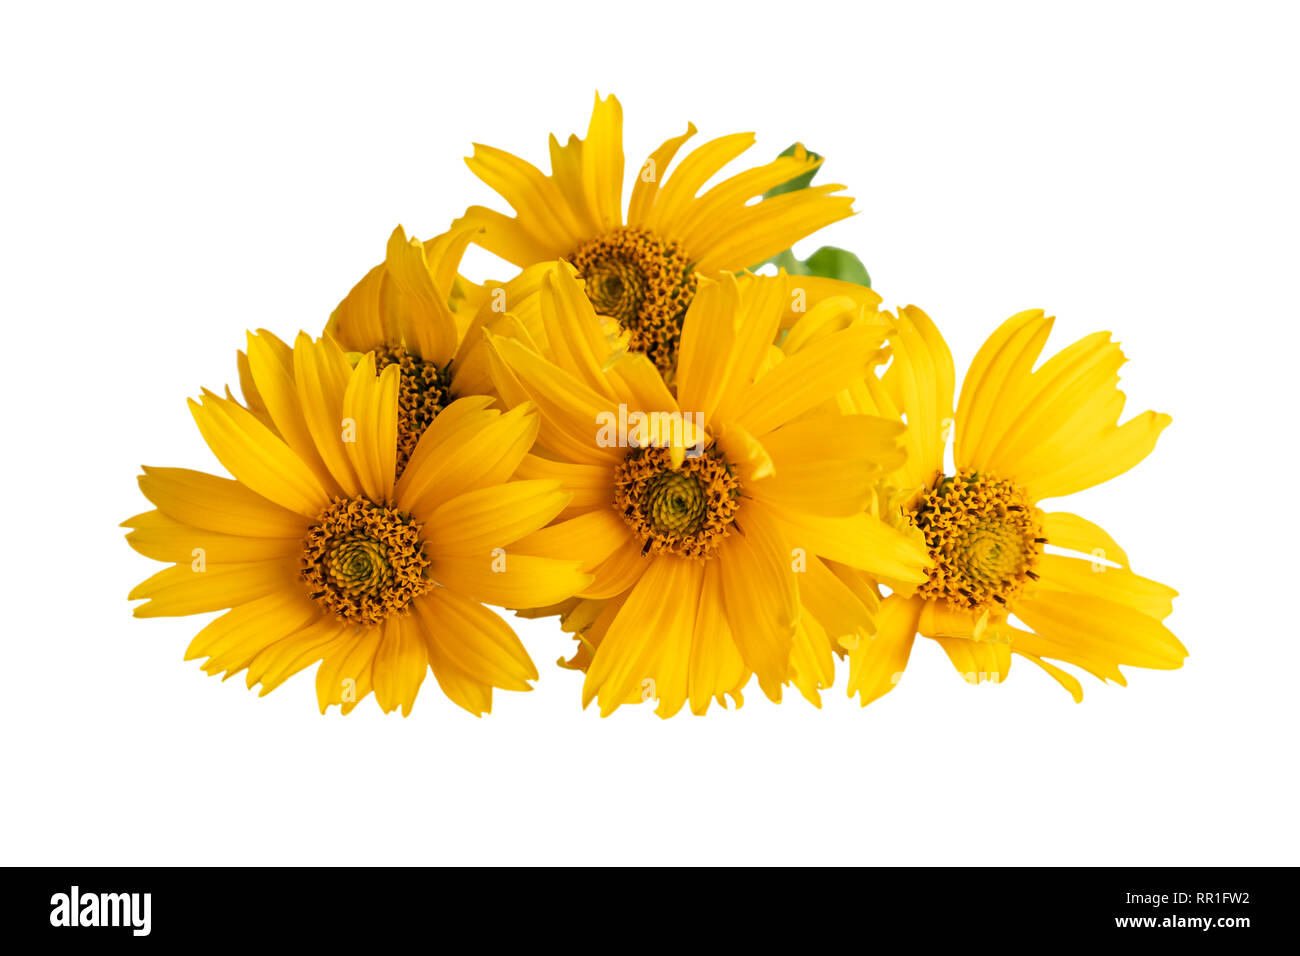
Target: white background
x,y
172,176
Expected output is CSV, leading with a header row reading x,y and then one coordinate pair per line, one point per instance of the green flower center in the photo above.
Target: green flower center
x,y
985,537
685,511
362,562
676,503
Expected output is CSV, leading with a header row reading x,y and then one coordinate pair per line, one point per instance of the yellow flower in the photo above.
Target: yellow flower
x,y
708,564
415,312
1021,435
322,553
643,268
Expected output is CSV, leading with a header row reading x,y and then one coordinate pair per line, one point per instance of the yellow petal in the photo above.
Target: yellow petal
x,y
511,580
860,541
728,200
512,309
940,619
483,451
248,389
421,275
716,667
507,237
645,190
1091,659
759,588
572,412
638,384
590,485
400,664
182,589
815,306
574,333
647,647
1105,628
544,217
589,173
458,424
1096,580
745,453
755,318
876,665
1054,430
763,229
281,659
809,378
852,452
370,413
1112,452
493,517
812,664
977,661
990,392
157,536
1068,681
358,323
257,457
218,504
463,690
270,363
321,373
707,353
345,676
1067,530
231,641
921,383
590,537
620,571
679,189
476,640
1074,380
838,610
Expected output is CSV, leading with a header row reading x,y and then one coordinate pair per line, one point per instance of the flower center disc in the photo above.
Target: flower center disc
x,y
423,391
687,511
362,562
985,537
644,282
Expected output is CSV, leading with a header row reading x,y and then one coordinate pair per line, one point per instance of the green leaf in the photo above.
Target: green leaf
x,y
828,262
802,181
832,262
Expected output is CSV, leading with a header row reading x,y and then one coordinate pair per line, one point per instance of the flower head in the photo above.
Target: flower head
x,y
321,552
1022,434
720,517
643,267
414,311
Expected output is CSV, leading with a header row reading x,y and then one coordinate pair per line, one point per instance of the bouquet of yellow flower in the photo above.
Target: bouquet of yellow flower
x,y
708,460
